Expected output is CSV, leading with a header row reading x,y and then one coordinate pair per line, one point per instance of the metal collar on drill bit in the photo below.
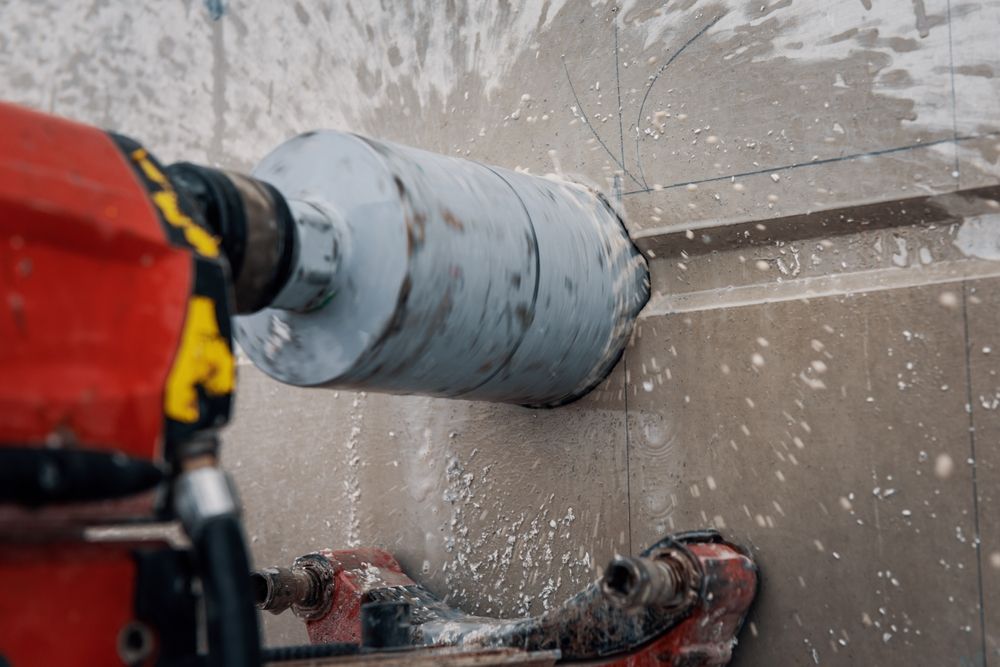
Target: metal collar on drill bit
x,y
285,239
316,258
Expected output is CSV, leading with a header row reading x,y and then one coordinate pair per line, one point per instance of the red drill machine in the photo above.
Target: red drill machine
x,y
119,279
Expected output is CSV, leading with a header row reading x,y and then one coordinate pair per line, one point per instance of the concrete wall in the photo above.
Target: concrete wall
x,y
816,374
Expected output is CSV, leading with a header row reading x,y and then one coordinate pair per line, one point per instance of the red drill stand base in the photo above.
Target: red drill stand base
x,y
681,603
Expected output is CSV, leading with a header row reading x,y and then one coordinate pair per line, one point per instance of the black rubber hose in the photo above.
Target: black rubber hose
x,y
233,638
36,475
307,651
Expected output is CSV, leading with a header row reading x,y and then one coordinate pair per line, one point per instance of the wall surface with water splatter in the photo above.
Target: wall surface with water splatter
x,y
815,184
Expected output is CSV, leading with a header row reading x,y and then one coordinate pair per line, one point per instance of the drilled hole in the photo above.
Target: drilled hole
x,y
619,578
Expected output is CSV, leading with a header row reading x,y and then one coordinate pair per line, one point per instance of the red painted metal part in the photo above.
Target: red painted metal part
x,y
356,571
92,303
705,638
92,295
64,604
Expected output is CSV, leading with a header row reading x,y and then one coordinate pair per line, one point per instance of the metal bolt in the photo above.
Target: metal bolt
x,y
135,643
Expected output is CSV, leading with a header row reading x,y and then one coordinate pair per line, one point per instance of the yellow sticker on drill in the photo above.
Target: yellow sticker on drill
x,y
203,360
166,200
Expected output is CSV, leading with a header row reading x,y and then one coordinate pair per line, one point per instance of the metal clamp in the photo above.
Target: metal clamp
x,y
203,494
317,256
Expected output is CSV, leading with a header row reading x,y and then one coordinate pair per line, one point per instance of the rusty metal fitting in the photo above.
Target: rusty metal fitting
x,y
667,578
275,589
306,587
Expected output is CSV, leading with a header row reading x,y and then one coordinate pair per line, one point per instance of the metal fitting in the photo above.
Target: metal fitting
x,y
202,494
316,258
275,589
306,587
667,578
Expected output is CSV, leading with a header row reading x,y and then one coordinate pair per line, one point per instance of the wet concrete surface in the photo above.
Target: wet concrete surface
x,y
820,453
982,300
778,109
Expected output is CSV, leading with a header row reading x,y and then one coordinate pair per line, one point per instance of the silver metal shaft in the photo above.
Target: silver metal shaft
x,y
306,587
664,580
278,588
